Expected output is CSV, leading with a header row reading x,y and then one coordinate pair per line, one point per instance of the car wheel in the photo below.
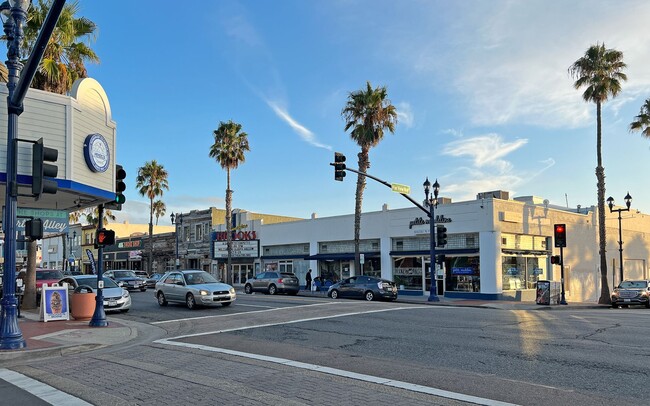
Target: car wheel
x,y
334,294
369,296
226,304
124,310
161,299
143,289
273,290
190,302
614,306
248,289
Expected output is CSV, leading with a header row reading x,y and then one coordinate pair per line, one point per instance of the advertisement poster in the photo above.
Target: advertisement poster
x,y
54,303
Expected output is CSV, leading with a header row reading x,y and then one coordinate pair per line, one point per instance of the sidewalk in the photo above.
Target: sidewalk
x,y
63,337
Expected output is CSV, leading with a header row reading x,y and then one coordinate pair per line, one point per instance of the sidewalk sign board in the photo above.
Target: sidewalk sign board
x,y
54,302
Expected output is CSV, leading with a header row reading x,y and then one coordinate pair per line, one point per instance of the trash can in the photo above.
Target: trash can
x,y
82,303
543,293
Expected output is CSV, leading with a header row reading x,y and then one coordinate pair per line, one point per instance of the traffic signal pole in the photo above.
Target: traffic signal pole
x,y
99,316
562,298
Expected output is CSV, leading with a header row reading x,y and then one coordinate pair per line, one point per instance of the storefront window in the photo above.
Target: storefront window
x,y
520,272
372,267
407,272
463,274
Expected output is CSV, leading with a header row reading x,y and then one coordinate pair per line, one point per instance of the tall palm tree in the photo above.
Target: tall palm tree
x,y
229,148
368,112
159,209
91,214
151,182
642,121
66,53
600,71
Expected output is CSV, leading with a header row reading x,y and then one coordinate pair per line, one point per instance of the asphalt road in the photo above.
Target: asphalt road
x,y
577,357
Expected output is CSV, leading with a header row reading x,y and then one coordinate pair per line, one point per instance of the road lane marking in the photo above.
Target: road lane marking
x,y
240,313
286,322
40,390
346,374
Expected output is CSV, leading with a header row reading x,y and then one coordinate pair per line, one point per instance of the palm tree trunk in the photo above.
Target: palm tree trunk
x,y
361,185
229,229
150,259
602,235
29,296
64,237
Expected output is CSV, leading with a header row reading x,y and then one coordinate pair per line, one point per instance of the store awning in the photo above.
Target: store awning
x,y
345,256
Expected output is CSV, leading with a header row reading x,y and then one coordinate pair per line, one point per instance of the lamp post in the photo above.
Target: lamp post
x,y
179,221
14,13
432,201
628,203
71,255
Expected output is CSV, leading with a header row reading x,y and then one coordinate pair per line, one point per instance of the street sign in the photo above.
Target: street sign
x,y
396,187
362,259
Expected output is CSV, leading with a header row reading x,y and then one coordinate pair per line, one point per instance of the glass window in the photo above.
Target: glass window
x,y
372,267
407,272
198,233
519,272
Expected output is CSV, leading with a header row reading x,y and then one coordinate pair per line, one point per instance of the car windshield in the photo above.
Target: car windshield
x,y
124,274
48,274
197,278
633,285
92,282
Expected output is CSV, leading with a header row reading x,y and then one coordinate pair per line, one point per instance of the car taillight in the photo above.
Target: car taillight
x,y
280,280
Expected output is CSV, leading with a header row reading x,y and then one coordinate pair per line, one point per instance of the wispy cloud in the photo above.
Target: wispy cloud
x,y
484,150
404,114
301,130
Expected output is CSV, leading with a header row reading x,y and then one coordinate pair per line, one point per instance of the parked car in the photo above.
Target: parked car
x,y
151,281
128,279
116,298
49,276
366,287
142,274
273,282
194,288
632,293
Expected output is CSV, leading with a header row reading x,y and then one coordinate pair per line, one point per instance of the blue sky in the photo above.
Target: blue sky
x,y
481,87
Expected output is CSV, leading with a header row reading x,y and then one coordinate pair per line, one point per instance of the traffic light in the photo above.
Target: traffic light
x,y
555,260
120,186
440,259
34,229
339,166
42,171
441,236
104,237
560,235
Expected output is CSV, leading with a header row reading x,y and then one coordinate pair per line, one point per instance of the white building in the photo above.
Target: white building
x,y
498,248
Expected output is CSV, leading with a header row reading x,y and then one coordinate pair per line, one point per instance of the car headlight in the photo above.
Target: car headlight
x,y
203,292
125,293
232,291
615,294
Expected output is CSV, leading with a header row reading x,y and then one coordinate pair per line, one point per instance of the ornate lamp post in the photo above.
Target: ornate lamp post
x,y
628,203
432,201
179,222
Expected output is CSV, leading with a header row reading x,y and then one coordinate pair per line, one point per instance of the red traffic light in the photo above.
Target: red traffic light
x,y
560,235
105,237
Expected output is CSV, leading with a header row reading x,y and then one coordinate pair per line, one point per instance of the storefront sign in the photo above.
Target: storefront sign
x,y
236,235
54,221
462,271
419,221
54,303
240,249
408,271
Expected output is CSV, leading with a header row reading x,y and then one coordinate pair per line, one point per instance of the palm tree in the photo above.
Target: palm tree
x,y
91,215
642,122
229,148
368,112
67,51
151,182
600,70
159,209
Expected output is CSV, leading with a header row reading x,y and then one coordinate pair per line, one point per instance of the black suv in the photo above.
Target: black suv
x,y
366,287
632,293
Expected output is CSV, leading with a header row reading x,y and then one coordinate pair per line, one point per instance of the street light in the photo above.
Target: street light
x,y
179,221
432,201
14,15
70,241
628,203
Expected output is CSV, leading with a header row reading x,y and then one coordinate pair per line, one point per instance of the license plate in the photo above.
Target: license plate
x,y
112,303
626,300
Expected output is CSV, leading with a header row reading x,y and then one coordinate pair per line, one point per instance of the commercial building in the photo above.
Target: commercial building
x,y
498,247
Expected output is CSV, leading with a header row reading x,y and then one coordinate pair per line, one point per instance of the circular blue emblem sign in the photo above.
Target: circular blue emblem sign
x,y
96,152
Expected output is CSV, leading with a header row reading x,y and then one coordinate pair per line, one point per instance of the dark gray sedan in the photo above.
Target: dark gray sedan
x,y
365,287
273,282
194,288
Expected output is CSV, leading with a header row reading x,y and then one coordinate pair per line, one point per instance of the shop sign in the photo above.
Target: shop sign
x,y
240,249
236,235
408,271
419,221
462,271
54,221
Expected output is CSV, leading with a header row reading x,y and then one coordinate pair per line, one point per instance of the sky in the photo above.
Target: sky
x,y
481,87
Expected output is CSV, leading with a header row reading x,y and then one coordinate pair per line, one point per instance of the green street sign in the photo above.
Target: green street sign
x,y
396,187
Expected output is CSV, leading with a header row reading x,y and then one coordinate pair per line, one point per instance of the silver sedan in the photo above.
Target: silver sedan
x,y
194,288
115,297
